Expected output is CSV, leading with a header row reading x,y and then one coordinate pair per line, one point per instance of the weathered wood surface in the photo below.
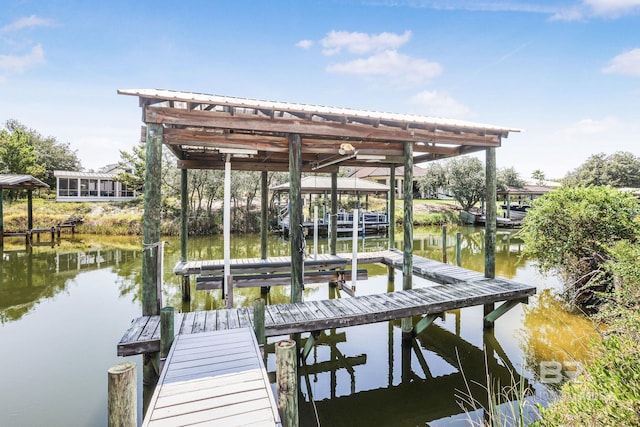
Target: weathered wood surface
x,y
280,319
277,279
256,265
216,378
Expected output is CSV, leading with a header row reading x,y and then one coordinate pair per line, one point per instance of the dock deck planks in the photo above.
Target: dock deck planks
x,y
213,377
281,319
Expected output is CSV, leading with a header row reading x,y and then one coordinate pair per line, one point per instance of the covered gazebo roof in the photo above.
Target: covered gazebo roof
x,y
202,130
20,182
321,184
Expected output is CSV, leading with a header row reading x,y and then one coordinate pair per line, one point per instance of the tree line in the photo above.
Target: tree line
x,y
26,151
464,177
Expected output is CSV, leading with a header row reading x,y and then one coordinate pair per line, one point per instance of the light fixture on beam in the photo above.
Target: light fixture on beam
x,y
244,151
333,160
370,157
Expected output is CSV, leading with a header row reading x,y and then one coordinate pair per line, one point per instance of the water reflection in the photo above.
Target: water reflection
x,y
27,277
428,378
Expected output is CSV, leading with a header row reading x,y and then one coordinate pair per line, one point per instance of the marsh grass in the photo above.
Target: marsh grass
x,y
500,405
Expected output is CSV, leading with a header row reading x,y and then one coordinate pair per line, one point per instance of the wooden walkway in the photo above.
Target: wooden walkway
x,y
256,265
213,378
144,333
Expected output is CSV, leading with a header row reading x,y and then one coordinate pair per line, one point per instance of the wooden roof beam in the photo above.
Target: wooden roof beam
x,y
308,128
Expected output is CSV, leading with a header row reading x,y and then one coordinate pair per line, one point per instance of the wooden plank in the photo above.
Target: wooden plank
x,y
187,323
217,378
211,321
199,322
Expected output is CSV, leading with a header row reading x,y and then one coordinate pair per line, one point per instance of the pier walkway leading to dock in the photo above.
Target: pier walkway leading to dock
x,y
213,377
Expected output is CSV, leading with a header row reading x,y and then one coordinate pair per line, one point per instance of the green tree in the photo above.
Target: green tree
x,y
18,156
621,169
133,165
570,230
539,176
509,177
466,180
50,153
435,177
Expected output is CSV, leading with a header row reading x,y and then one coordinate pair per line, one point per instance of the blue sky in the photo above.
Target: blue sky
x,y
566,72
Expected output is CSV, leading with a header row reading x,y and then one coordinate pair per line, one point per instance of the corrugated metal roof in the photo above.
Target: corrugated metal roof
x,y
20,182
87,175
172,95
319,184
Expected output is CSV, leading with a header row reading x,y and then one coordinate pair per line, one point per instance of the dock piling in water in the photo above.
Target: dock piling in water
x,y
122,395
287,382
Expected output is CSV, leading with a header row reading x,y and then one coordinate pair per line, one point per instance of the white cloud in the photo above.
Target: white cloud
x,y
586,128
597,8
26,22
360,43
304,44
625,63
390,63
612,8
18,64
439,104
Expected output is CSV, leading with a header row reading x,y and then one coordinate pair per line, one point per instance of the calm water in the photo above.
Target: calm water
x,y
63,310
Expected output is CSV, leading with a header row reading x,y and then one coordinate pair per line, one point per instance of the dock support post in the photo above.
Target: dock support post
x,y
444,244
287,382
151,219
29,209
407,264
333,238
184,214
459,249
295,216
151,236
258,321
391,215
264,204
1,218
184,231
490,227
226,225
166,331
122,395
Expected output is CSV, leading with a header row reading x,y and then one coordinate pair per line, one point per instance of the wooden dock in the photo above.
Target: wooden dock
x,y
213,378
144,333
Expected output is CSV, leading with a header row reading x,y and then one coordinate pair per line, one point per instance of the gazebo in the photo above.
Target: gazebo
x,y
221,132
19,182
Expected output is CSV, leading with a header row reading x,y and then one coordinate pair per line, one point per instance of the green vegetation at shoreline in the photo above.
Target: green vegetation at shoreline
x,y
125,218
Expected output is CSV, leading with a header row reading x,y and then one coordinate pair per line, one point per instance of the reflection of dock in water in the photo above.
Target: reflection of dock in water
x,y
92,260
419,395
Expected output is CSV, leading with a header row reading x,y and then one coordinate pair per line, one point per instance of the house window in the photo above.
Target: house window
x,y
107,188
125,192
68,187
88,187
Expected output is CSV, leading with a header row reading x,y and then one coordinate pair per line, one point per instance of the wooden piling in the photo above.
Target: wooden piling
x,y
444,244
151,218
264,204
296,237
391,215
29,209
459,249
258,320
287,382
184,216
490,226
407,226
333,238
166,330
122,395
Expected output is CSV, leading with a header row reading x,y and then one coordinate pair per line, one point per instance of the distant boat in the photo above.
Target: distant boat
x,y
468,218
517,212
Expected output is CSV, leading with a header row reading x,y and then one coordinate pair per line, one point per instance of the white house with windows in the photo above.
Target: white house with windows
x,y
102,186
